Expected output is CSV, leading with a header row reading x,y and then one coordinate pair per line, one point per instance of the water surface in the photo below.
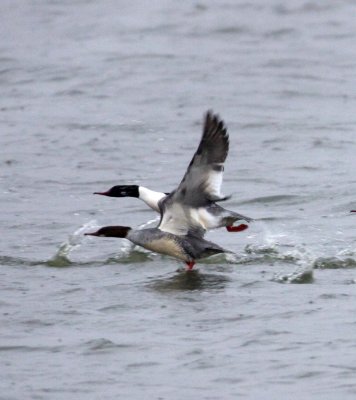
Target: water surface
x,y
102,93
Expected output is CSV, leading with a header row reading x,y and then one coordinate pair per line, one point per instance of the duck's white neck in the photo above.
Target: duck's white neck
x,y
150,197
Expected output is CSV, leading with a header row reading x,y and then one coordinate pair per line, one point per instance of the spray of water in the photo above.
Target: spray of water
x,y
127,247
74,241
279,245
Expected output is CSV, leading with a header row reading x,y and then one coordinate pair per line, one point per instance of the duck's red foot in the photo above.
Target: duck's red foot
x,y
353,211
190,265
238,228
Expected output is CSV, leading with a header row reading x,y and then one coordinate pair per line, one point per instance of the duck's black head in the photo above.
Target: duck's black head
x,y
111,231
121,191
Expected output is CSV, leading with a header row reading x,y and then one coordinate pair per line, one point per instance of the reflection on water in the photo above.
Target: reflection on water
x,y
190,280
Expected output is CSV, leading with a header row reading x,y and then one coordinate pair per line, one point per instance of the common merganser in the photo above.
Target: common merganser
x,y
148,196
188,248
206,213
181,229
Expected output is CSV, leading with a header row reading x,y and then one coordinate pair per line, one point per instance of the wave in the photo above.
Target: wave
x,y
273,249
334,263
250,255
281,198
300,275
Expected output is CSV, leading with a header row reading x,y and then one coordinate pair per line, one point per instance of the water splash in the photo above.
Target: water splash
x,y
300,275
74,241
272,248
334,263
288,248
280,247
304,260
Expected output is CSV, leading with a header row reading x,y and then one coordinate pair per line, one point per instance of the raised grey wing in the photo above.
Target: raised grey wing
x,y
201,183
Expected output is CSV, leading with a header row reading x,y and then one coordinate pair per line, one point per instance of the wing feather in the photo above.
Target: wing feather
x,y
201,184
202,181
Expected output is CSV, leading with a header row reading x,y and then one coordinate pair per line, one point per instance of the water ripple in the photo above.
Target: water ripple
x,y
103,345
334,263
286,198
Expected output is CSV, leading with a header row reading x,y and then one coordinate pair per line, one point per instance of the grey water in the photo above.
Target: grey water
x,y
95,94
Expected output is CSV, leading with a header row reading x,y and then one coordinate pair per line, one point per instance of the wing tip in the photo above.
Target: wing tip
x,y
214,124
215,131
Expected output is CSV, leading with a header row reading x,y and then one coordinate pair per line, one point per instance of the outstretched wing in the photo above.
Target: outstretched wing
x,y
201,183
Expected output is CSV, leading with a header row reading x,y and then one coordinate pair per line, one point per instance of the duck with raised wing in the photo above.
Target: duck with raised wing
x,y
184,215
204,208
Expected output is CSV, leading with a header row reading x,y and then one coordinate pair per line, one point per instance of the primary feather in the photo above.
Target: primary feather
x,y
201,184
